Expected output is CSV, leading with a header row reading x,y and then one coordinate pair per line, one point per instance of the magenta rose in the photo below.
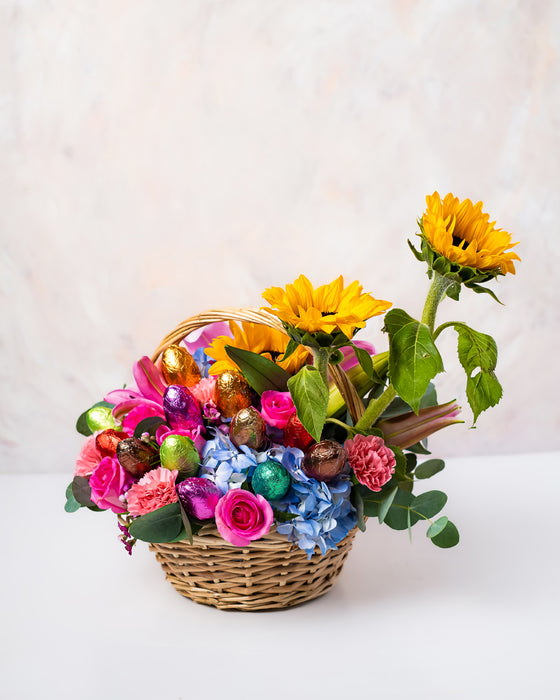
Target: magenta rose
x,y
108,482
373,463
241,516
277,407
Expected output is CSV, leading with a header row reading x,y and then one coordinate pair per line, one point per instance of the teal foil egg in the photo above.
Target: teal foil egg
x,y
271,480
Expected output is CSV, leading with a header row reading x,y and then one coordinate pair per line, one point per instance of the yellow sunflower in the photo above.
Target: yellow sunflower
x,y
327,308
461,232
257,338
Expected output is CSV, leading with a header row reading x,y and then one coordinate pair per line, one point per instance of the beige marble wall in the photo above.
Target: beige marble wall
x,y
160,158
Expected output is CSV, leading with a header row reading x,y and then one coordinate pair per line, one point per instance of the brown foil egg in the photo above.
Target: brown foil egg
x,y
324,461
135,456
247,427
179,367
232,393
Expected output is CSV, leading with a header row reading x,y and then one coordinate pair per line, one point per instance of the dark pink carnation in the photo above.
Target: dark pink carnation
x,y
372,462
154,490
108,483
277,407
241,516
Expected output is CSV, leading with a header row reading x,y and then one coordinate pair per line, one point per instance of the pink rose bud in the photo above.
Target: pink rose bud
x,y
277,407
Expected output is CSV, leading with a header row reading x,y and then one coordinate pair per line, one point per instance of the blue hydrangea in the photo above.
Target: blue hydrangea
x,y
324,513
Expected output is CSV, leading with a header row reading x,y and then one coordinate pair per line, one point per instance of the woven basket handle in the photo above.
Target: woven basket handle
x,y
183,329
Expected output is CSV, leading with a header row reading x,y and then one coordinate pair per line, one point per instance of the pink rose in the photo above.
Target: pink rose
x,y
154,490
108,483
88,458
139,413
241,516
277,407
372,462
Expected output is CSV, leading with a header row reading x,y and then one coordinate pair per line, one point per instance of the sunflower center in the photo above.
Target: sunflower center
x,y
458,241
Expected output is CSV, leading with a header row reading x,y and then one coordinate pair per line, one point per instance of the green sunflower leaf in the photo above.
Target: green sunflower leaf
x,y
311,398
483,391
414,359
260,372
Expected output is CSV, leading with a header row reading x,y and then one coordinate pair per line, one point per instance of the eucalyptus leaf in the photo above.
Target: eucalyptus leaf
x,y
444,537
161,525
429,504
386,504
414,359
399,516
148,425
310,397
260,372
81,491
429,468
358,503
72,505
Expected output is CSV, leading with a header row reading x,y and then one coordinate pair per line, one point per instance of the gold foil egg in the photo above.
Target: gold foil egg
x,y
247,427
232,393
179,367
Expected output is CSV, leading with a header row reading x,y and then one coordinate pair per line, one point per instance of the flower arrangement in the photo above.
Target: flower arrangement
x,y
296,426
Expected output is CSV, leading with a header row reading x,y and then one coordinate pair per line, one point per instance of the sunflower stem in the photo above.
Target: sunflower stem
x,y
375,408
320,362
437,291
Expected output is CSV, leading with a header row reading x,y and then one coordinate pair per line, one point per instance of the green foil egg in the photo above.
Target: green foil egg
x,y
178,452
271,480
100,418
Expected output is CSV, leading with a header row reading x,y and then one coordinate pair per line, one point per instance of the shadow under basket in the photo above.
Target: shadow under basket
x,y
270,574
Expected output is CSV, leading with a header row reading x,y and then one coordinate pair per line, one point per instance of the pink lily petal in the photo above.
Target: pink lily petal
x,y
204,337
126,406
149,379
119,395
409,428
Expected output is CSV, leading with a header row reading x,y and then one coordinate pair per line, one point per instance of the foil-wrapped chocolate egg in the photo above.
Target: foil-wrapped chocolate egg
x,y
232,393
100,418
178,366
178,452
295,435
324,461
247,427
108,440
271,480
199,497
135,456
181,408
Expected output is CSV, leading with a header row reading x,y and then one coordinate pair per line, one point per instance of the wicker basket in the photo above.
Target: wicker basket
x,y
271,573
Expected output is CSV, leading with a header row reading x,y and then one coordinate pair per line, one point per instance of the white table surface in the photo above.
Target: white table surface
x,y
81,619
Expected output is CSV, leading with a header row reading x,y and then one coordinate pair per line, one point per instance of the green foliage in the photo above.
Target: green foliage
x,y
429,468
404,480
414,359
148,425
161,525
477,351
261,373
82,425
365,361
443,533
358,503
310,397
72,505
82,492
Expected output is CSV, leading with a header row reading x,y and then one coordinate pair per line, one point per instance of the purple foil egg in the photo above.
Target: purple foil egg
x,y
199,497
181,408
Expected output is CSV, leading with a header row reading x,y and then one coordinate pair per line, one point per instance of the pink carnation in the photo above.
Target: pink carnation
x,y
154,490
372,462
241,516
205,390
277,407
88,458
